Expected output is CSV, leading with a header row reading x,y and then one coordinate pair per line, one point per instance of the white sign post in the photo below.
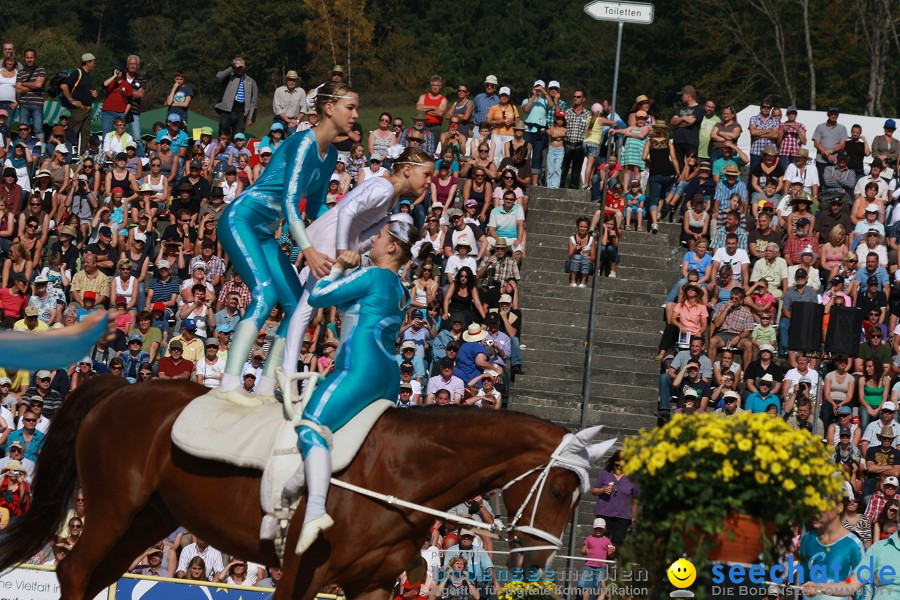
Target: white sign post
x,y
620,12
623,12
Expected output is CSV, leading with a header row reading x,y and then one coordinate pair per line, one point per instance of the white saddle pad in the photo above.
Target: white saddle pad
x,y
248,436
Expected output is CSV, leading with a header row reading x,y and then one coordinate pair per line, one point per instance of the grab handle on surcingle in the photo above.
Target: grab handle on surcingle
x,y
286,382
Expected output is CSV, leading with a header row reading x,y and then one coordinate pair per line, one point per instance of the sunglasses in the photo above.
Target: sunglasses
x,y
146,374
30,420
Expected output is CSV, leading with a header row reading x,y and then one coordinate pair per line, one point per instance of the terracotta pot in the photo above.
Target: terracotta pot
x,y
741,540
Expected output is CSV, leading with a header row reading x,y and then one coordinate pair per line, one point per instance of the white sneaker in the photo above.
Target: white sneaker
x,y
311,531
581,285
573,285
612,274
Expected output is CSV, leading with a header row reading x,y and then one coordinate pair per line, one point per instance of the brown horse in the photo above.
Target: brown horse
x,y
139,487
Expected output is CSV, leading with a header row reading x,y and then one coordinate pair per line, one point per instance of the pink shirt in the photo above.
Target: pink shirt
x,y
597,548
690,316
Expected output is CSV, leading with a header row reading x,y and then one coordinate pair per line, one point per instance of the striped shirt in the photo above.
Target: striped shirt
x,y
239,97
163,290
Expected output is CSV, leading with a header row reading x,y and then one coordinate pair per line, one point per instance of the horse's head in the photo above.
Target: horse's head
x,y
541,503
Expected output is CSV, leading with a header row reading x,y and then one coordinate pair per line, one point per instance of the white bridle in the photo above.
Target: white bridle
x,y
572,453
575,452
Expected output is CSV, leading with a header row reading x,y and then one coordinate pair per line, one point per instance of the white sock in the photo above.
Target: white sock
x,y
317,465
265,386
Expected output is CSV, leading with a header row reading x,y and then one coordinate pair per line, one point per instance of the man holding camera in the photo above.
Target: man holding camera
x,y
78,94
802,418
237,108
118,99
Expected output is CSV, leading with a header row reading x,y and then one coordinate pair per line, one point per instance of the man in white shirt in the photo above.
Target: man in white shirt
x,y
736,258
870,435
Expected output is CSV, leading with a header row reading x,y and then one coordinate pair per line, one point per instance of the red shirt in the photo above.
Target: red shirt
x,y
12,304
118,96
168,368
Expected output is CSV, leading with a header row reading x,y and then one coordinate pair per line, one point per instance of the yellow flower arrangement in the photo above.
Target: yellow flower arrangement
x,y
519,589
704,467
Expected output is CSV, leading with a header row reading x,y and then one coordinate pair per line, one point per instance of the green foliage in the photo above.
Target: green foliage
x,y
736,52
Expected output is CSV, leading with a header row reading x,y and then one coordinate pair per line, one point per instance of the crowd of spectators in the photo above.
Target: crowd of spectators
x,y
762,233
127,222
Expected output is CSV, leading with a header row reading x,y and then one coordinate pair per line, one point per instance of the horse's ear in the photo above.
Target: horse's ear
x,y
598,451
584,437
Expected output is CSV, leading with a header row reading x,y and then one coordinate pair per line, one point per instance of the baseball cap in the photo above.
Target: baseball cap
x,y
845,410
87,56
176,344
690,393
159,306
503,90
801,273
505,298
405,386
163,264
407,367
553,84
408,345
539,82
889,405
211,341
872,280
845,432
5,381
189,324
136,337
31,310
174,118
599,523
892,481
42,374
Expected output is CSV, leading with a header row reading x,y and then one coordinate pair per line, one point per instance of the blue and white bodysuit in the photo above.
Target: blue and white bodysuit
x,y
348,226
373,303
247,232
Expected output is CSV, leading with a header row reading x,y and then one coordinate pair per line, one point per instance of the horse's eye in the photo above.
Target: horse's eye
x,y
557,495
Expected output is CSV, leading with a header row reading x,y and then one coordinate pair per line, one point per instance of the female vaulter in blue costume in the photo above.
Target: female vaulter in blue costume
x,y
373,302
347,229
300,168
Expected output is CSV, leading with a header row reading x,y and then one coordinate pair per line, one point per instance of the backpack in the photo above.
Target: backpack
x,y
53,88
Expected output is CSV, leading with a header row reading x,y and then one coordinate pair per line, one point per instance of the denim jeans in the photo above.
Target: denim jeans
x,y
34,114
783,328
538,141
106,121
665,391
609,254
659,186
554,166
515,353
135,127
864,417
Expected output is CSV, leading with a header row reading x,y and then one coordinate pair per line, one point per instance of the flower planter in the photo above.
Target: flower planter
x,y
741,540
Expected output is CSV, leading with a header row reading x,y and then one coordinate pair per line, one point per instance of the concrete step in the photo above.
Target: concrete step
x,y
615,423
626,268
637,255
637,365
626,351
544,194
553,385
541,215
597,403
603,371
556,288
535,306
605,324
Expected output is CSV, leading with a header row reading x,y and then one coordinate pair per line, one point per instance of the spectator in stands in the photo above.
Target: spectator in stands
x,y
175,366
582,254
151,563
446,380
31,438
760,400
838,392
212,560
800,292
237,108
887,418
16,451
882,463
473,357
79,94
693,352
829,138
272,580
839,177
732,323
802,418
873,387
15,493
688,383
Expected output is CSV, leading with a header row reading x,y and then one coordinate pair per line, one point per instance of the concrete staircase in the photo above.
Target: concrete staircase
x,y
624,374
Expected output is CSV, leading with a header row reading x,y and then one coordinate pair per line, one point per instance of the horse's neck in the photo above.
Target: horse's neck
x,y
477,463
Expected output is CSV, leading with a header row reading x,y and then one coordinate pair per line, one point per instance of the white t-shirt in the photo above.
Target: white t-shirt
x,y
736,260
455,263
793,376
207,374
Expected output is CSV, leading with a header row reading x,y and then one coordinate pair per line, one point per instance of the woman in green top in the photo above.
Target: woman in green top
x,y
873,389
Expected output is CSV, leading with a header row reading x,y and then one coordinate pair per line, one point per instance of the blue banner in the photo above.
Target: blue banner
x,y
132,588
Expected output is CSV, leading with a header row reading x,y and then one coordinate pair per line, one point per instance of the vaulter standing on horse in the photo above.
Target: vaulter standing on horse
x,y
300,168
